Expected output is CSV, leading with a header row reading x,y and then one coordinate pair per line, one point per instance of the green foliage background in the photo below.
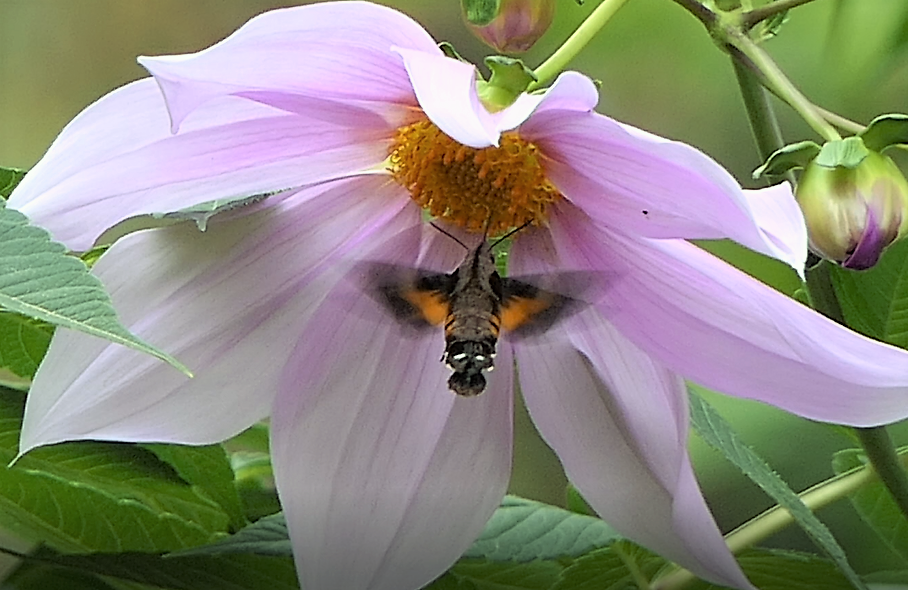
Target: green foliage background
x,y
659,71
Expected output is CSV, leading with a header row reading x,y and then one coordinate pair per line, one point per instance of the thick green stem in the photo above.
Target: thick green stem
x,y
778,82
882,455
763,122
822,293
577,41
777,518
728,29
752,17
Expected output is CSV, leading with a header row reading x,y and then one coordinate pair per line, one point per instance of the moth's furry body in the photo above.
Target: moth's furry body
x,y
475,304
473,322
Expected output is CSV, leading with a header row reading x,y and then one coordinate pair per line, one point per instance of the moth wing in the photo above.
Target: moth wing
x,y
417,298
529,307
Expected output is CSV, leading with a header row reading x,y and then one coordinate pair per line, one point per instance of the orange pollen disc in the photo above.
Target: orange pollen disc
x,y
468,186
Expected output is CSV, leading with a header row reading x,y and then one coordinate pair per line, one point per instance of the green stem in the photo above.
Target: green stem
x,y
577,41
752,17
763,122
728,29
632,567
777,518
822,293
882,455
754,57
841,122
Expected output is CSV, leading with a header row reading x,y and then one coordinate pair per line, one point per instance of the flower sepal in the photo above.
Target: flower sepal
x,y
509,79
789,157
886,131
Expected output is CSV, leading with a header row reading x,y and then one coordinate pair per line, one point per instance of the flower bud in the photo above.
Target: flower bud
x,y
854,213
509,26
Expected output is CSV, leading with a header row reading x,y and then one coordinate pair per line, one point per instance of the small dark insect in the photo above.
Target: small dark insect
x,y
475,304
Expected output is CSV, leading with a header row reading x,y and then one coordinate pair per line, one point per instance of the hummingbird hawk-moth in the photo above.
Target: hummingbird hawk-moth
x,y
475,304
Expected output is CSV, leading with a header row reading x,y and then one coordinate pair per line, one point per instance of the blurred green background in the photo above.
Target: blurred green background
x,y
659,71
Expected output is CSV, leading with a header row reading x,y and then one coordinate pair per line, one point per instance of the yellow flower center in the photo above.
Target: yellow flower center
x,y
504,187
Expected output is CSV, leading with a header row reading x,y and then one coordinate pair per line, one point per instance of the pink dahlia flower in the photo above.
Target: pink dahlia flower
x,y
352,113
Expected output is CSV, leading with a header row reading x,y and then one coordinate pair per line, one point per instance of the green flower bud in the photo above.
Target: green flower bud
x,y
854,212
509,26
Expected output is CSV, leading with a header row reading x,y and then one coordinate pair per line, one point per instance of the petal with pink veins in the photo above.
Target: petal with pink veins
x,y
642,184
618,421
229,302
385,476
721,328
237,149
333,50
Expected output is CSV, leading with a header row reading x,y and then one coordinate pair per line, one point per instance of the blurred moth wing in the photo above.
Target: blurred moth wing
x,y
474,304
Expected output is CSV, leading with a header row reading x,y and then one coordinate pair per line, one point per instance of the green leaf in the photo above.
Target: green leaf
x,y
842,153
9,179
886,131
520,530
237,572
874,503
105,497
208,470
786,570
875,301
607,569
267,536
202,213
480,574
770,27
716,432
40,576
575,502
524,530
23,342
41,281
796,155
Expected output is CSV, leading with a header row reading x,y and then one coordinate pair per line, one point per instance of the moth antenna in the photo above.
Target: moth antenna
x,y
450,235
510,233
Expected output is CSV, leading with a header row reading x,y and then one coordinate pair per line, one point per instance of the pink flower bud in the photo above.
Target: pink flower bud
x,y
514,27
854,213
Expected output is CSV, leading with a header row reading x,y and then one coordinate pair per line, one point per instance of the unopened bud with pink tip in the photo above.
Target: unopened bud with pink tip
x,y
853,214
854,198
509,26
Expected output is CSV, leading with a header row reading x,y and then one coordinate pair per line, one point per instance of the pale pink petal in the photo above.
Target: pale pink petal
x,y
618,423
779,216
723,329
588,388
571,91
229,302
106,167
385,476
333,51
446,90
642,184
